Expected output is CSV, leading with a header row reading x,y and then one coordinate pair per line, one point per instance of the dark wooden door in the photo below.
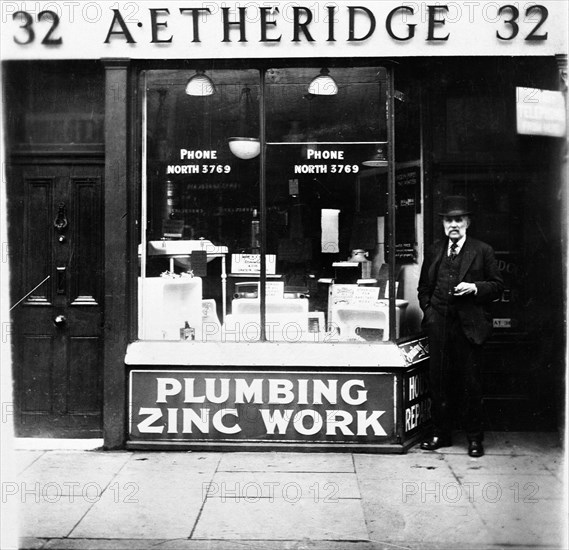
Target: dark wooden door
x,y
55,216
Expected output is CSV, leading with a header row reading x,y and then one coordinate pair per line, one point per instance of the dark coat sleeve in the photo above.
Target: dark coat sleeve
x,y
426,280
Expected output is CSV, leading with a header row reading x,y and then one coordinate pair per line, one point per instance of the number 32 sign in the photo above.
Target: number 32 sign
x,y
27,27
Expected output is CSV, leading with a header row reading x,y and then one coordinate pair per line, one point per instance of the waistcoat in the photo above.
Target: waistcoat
x,y
443,299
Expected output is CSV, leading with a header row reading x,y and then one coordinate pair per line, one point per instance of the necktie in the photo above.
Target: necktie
x,y
453,252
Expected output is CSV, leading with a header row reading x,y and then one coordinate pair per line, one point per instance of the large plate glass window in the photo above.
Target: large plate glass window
x,y
200,193
259,182
326,187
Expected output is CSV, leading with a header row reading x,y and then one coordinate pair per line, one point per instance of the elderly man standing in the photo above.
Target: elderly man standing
x,y
459,277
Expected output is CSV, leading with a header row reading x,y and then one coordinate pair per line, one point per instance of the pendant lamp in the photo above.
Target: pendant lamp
x,y
323,84
200,85
379,160
243,147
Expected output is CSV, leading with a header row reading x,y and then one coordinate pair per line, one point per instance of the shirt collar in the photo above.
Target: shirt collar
x,y
459,244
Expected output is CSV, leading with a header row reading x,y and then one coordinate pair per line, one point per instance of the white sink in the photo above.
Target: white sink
x,y
349,318
183,248
165,305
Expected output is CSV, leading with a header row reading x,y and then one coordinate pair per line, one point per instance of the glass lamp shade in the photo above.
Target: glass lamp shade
x,y
200,85
244,147
379,160
323,84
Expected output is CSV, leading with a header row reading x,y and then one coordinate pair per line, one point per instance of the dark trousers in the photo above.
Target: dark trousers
x,y
454,375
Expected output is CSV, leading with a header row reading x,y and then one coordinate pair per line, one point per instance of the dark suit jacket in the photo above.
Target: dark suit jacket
x,y
478,266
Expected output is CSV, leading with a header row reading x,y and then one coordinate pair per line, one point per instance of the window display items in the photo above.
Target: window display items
x,y
312,226
360,256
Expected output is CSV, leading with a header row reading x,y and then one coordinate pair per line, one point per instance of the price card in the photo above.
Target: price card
x,y
251,263
365,296
274,290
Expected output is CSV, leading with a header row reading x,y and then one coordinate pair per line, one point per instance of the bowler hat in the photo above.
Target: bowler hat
x,y
454,205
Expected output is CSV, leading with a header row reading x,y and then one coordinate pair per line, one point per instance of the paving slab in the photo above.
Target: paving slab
x,y
200,463
287,485
281,519
130,489
82,460
53,482
185,544
415,492
410,525
522,522
71,473
153,506
410,466
286,462
51,518
530,488
558,467
154,495
20,460
492,464
171,473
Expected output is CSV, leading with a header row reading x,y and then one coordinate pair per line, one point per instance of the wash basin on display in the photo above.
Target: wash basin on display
x,y
184,248
350,320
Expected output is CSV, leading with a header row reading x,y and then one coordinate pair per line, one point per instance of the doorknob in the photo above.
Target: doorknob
x,y
59,321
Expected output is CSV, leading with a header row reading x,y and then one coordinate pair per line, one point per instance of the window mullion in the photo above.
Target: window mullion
x,y
262,207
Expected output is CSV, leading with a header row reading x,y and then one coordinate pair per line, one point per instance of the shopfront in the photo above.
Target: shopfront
x,y
223,211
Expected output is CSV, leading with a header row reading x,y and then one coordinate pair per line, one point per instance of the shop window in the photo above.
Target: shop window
x,y
264,206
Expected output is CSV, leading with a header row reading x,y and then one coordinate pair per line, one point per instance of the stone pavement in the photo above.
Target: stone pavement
x,y
514,497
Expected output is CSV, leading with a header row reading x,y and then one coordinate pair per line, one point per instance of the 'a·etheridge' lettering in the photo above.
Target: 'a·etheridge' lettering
x,y
361,24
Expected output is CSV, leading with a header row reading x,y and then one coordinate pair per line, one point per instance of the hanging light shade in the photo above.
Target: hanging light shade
x,y
243,147
200,85
379,160
323,84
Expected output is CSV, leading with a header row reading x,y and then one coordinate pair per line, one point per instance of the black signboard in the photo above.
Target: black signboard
x,y
407,187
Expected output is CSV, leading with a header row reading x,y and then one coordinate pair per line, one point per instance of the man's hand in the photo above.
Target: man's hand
x,y
462,289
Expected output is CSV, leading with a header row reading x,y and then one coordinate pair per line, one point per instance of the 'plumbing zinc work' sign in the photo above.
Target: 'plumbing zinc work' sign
x,y
274,406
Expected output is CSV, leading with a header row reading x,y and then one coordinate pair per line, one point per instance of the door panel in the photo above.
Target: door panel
x,y
86,381
36,396
56,237
85,288
37,245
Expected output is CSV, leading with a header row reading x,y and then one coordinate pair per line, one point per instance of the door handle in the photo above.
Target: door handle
x,y
59,321
61,281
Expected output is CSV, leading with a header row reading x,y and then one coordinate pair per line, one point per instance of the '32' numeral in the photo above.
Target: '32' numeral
x,y
27,27
514,27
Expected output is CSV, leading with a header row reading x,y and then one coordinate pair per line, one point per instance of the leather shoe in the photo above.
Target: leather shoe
x,y
435,442
475,449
